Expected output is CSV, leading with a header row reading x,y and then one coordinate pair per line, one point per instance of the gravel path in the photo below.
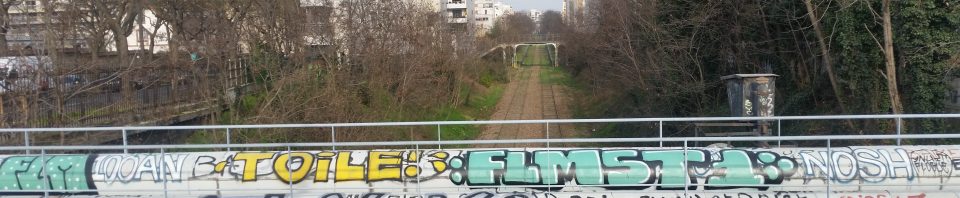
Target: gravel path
x,y
528,98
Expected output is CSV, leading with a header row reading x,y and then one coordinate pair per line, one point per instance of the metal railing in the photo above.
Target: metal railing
x,y
897,134
95,97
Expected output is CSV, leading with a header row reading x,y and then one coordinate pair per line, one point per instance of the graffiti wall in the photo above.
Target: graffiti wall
x,y
854,172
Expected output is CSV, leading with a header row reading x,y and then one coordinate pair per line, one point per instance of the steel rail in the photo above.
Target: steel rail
x,y
366,189
487,122
461,142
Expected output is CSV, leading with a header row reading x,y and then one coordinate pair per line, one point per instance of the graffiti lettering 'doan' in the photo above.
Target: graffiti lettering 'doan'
x,y
708,172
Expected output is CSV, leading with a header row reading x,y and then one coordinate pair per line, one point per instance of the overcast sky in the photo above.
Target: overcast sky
x,y
535,4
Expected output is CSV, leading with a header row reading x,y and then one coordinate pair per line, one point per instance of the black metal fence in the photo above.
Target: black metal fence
x,y
149,95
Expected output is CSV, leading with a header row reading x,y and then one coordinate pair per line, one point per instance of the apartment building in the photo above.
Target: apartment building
x,y
535,15
487,12
147,29
28,27
576,12
458,13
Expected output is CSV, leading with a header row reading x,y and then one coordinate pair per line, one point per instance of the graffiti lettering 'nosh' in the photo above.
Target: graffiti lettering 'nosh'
x,y
662,172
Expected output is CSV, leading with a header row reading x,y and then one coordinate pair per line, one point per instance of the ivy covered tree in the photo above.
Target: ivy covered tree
x,y
927,36
665,58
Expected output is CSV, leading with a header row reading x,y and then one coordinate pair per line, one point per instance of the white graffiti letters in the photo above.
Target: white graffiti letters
x,y
138,167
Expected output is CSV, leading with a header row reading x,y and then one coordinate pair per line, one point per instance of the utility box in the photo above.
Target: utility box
x,y
750,95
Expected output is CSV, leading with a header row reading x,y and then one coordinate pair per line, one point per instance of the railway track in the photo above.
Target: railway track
x,y
528,97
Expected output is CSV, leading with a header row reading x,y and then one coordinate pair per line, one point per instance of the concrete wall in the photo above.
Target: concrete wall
x,y
856,172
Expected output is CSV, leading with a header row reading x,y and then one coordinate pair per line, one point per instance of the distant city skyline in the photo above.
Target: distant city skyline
x,y
542,5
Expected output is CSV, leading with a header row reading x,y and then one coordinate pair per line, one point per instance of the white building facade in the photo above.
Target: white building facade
x,y
458,13
576,13
27,30
535,15
487,13
149,33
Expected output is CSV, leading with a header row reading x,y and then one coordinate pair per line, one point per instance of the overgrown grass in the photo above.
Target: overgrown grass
x,y
534,55
556,76
477,107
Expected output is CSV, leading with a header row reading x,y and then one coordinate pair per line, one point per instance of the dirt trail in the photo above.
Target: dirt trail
x,y
527,97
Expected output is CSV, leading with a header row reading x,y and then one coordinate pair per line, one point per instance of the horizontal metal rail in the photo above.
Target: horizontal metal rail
x,y
363,189
462,142
488,122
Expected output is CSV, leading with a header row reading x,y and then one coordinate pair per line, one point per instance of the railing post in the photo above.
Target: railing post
x,y
26,141
899,129
124,132
549,158
548,134
686,169
438,137
163,172
661,133
228,139
333,139
830,166
290,170
417,147
43,173
778,134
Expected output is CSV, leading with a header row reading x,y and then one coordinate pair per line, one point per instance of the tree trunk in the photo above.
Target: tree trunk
x,y
121,44
4,49
895,105
126,88
825,55
3,115
5,28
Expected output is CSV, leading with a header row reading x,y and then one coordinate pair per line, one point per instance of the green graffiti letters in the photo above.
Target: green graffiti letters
x,y
557,166
519,169
32,174
738,169
483,166
674,171
745,168
623,168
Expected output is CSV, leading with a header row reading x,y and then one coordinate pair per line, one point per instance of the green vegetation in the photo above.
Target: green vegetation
x,y
479,99
550,75
477,107
673,53
534,55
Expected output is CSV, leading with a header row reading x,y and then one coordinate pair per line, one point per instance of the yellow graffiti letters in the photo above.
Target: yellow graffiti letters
x,y
384,165
323,166
412,171
440,164
283,166
346,171
250,160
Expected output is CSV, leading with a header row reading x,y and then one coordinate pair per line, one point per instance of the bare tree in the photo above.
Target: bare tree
x,y
891,64
5,23
825,57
